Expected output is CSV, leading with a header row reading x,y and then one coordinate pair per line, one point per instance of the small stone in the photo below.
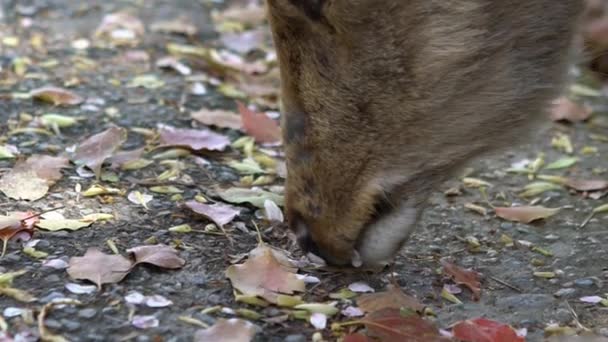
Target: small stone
x,y
565,292
214,299
51,296
95,337
51,278
295,338
506,225
198,280
43,244
142,338
604,332
87,313
70,325
51,323
563,316
584,282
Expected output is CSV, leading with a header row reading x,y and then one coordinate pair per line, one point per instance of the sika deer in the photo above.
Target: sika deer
x,y
382,100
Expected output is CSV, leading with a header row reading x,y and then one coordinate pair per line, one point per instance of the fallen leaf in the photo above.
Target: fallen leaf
x,y
31,179
525,214
468,278
233,330
60,224
272,211
356,337
219,213
47,167
138,198
565,109
195,139
389,325
393,298
562,163
219,118
586,184
120,158
256,197
19,225
157,255
264,276
318,320
259,126
56,96
99,268
93,151
485,330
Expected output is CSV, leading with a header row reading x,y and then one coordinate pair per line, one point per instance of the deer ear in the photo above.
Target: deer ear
x,y
312,8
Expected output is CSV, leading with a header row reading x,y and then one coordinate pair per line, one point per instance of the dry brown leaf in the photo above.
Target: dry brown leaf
x,y
93,151
525,214
31,179
157,255
56,96
390,325
392,298
469,278
219,213
264,276
233,330
259,126
586,184
99,268
565,109
219,118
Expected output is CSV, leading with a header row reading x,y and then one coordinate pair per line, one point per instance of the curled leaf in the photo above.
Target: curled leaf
x,y
56,96
525,214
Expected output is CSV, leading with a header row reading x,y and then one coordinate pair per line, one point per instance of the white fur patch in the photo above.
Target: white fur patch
x,y
383,238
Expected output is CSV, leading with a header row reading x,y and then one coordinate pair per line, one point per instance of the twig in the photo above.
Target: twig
x,y
502,282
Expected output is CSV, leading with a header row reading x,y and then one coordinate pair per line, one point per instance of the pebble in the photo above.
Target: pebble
x,y
506,225
96,337
584,282
43,244
70,325
604,332
198,280
51,296
295,338
565,292
51,278
51,323
142,338
87,313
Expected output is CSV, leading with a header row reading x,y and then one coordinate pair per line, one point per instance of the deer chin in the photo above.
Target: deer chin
x,y
382,239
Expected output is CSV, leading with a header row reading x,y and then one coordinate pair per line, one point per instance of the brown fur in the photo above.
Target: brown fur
x,y
384,99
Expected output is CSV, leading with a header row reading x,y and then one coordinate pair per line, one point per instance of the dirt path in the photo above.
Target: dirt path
x,y
54,41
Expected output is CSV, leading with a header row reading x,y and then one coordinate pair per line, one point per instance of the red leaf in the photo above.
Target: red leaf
x,y
485,330
469,278
259,126
389,325
19,225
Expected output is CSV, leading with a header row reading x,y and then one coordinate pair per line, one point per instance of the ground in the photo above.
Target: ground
x,y
512,290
